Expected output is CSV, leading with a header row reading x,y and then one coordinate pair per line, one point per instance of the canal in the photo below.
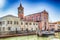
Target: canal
x,y
30,37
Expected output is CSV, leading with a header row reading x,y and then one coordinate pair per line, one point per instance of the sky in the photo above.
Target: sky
x,y
9,7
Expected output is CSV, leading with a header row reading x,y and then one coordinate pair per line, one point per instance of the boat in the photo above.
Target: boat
x,y
45,33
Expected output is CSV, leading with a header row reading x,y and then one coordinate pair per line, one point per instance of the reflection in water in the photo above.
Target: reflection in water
x,y
31,37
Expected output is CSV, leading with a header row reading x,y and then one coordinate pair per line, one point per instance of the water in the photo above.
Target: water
x,y
30,37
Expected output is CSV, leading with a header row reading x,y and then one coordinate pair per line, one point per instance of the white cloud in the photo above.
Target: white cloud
x,y
2,3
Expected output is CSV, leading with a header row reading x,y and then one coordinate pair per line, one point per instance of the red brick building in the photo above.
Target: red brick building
x,y
40,17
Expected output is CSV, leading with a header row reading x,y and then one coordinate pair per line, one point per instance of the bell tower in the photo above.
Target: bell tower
x,y
21,11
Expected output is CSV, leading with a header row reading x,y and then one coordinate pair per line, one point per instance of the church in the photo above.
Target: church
x,y
40,17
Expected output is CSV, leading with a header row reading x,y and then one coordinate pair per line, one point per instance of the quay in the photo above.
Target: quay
x,y
14,35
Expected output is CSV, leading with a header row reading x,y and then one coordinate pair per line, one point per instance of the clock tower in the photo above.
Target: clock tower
x,y
20,11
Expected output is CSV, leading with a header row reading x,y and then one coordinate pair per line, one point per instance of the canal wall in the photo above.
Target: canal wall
x,y
14,35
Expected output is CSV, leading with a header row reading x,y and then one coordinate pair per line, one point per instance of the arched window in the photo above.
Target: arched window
x,y
26,23
0,23
21,23
30,23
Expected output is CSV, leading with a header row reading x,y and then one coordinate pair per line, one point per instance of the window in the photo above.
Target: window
x,y
21,29
33,23
0,23
0,28
30,23
45,18
3,28
21,23
40,19
9,28
16,22
8,22
36,18
31,29
36,24
26,23
32,18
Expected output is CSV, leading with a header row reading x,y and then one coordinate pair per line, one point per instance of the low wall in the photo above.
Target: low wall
x,y
13,34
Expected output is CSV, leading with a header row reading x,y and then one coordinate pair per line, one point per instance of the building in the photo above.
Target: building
x,y
58,24
10,24
54,26
40,17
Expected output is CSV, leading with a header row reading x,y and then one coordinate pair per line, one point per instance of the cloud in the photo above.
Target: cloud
x,y
30,9
2,3
11,11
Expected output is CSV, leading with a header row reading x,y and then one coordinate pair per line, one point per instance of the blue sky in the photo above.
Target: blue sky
x,y
9,7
